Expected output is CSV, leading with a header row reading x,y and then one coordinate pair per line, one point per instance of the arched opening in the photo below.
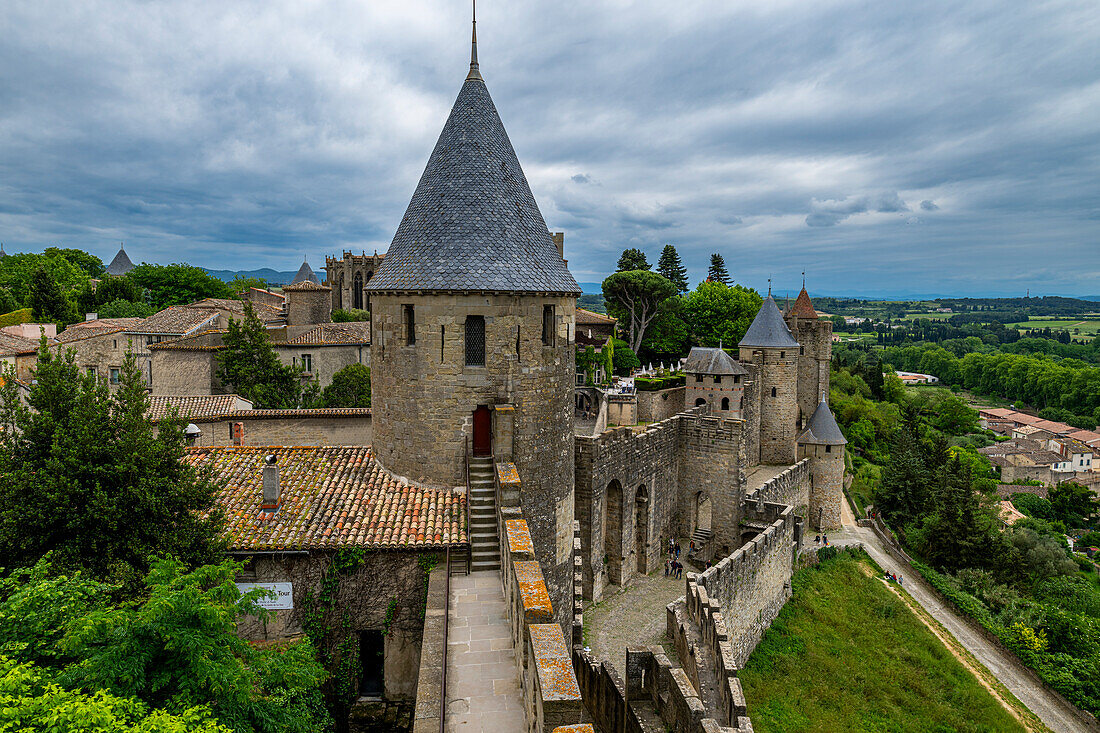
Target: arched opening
x,y
613,532
700,401
725,403
357,291
641,528
702,511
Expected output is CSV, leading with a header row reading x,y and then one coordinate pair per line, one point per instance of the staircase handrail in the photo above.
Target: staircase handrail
x,y
469,536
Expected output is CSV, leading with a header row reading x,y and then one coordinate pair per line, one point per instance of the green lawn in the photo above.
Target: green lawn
x,y
1085,326
846,654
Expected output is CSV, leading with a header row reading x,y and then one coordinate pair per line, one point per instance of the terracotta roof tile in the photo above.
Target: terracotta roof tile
x,y
10,344
99,327
351,332
332,497
803,307
591,318
175,320
192,406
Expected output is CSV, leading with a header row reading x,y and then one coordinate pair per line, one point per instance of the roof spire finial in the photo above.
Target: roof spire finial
x,y
769,287
803,279
474,72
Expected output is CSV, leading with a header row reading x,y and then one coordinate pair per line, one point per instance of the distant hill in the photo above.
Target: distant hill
x,y
273,277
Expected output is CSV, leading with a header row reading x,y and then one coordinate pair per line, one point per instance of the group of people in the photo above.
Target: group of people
x,y
821,539
896,578
673,567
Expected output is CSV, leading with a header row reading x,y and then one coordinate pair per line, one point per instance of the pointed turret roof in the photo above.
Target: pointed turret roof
x,y
823,429
121,264
707,360
803,307
472,223
305,274
768,330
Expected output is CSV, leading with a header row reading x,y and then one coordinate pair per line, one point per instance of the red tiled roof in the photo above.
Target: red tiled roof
x,y
10,344
351,332
99,327
174,320
591,318
192,406
1024,419
207,340
803,307
1001,412
264,311
332,497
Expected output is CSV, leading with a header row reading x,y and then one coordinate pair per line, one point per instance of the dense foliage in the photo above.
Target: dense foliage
x,y
166,285
717,272
250,366
341,315
84,477
633,296
350,388
672,267
632,259
169,661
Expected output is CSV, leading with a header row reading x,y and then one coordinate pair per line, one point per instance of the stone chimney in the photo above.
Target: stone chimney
x,y
272,489
559,242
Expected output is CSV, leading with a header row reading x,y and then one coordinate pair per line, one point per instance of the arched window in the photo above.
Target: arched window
x,y
357,291
475,340
725,403
700,401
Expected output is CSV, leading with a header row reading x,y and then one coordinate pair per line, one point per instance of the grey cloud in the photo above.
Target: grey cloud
x,y
581,178
928,205
729,219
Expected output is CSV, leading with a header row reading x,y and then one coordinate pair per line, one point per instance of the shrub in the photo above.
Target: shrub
x,y
654,384
23,315
1033,506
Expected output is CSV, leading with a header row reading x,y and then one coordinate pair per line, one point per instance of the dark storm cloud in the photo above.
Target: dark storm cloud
x,y
919,147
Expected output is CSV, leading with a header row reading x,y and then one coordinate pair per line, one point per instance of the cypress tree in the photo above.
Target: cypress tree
x,y
717,272
671,267
632,259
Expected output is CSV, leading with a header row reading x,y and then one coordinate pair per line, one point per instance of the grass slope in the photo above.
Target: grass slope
x,y
846,654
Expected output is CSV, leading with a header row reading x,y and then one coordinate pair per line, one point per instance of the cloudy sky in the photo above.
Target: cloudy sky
x,y
901,147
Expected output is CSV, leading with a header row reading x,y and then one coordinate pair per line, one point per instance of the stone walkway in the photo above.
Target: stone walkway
x,y
1056,713
761,474
631,616
483,683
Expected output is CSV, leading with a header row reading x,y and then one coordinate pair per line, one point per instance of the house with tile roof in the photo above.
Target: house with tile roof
x,y
19,353
100,345
291,511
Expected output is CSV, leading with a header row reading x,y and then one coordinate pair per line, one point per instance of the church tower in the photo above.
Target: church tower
x,y
815,351
769,346
472,313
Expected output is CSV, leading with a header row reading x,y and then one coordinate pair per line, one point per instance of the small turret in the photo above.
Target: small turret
x,y
307,300
823,443
121,264
715,379
769,346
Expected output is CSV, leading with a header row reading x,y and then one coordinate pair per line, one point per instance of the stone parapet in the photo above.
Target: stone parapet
x,y
790,487
429,683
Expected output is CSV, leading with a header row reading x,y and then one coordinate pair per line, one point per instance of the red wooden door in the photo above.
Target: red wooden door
x,y
483,432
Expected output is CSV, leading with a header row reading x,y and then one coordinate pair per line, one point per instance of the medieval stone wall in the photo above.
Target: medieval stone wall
x,y
347,276
364,593
826,485
660,405
711,471
815,339
777,384
278,429
424,396
183,372
305,307
103,354
724,397
327,358
792,487
750,414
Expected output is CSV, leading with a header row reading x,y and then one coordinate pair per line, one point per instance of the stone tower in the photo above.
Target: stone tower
x,y
770,346
307,300
823,443
815,340
716,379
472,313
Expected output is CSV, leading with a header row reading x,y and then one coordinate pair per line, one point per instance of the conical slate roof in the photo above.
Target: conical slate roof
x,y
768,330
803,307
706,360
121,264
305,274
472,223
823,429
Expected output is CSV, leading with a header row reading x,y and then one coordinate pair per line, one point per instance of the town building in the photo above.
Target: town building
x,y
20,354
347,278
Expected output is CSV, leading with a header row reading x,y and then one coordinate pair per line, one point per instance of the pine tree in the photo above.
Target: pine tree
x,y
671,267
251,367
632,259
717,272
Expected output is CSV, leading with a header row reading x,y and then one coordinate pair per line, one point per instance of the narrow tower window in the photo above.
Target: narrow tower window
x,y
475,340
442,341
410,325
548,325
773,391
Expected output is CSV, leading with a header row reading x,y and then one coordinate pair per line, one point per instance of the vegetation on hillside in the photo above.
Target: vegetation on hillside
x,y
846,653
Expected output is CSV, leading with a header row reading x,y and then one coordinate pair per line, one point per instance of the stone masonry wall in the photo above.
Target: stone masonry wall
x,y
792,487
103,353
712,465
815,338
826,485
777,383
184,372
750,414
424,396
327,359
660,405
258,430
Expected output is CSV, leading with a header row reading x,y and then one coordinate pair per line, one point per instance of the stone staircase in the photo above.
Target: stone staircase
x,y
701,537
484,538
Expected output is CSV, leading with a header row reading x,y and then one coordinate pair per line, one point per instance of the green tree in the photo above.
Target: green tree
x,y
83,476
125,309
668,337
634,296
175,649
46,301
717,271
89,263
624,360
341,315
350,387
167,285
239,284
672,268
632,259
718,312
249,365
1073,503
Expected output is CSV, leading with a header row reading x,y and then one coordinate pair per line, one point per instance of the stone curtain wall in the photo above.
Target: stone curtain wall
x,y
792,487
815,336
746,590
550,692
260,429
751,413
711,462
429,684
660,405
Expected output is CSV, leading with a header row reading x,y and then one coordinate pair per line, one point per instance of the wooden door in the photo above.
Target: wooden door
x,y
483,432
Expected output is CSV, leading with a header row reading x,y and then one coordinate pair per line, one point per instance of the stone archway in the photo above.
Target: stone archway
x,y
700,401
641,528
613,532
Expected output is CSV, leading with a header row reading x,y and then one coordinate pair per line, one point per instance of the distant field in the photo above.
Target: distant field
x,y
1087,327
847,654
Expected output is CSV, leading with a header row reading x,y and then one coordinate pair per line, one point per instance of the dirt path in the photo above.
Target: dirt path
x,y
1054,712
